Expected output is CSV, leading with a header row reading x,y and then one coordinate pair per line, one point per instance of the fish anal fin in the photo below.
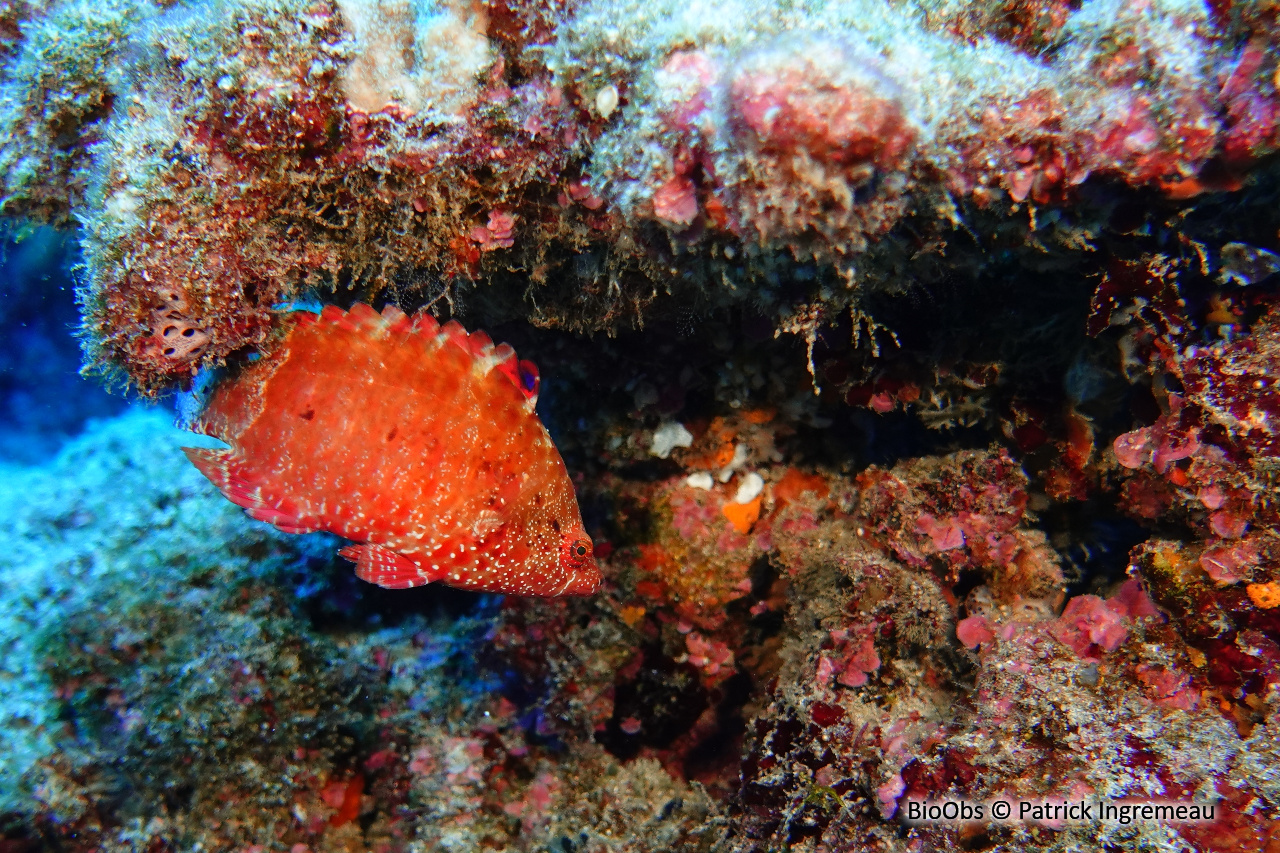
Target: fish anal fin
x,y
384,567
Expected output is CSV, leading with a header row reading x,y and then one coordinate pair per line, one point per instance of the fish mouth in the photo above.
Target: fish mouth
x,y
585,581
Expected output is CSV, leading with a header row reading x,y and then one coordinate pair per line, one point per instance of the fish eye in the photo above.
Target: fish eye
x,y
579,551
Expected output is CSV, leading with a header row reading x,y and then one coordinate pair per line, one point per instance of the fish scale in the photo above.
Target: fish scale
x,y
415,440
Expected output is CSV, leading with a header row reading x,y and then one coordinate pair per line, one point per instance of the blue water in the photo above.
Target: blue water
x,y
43,399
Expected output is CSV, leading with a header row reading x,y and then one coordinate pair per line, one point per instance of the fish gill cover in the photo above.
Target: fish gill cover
x,y
913,364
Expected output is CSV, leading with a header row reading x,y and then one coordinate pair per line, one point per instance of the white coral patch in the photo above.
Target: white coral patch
x,y
749,488
700,480
607,100
740,456
423,57
668,437
122,204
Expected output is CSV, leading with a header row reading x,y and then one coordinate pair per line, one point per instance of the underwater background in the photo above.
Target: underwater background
x,y
915,366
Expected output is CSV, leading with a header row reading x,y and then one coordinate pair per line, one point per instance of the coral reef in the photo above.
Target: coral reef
x,y
73,551
179,676
867,641
930,456
569,165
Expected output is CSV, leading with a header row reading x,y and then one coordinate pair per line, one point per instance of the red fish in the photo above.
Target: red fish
x,y
417,441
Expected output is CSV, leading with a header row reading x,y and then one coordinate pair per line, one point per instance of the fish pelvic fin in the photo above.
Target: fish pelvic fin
x,y
384,567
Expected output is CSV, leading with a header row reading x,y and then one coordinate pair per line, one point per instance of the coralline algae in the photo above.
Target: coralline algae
x,y
225,162
927,446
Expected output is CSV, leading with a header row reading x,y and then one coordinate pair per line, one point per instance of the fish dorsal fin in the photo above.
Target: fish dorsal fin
x,y
528,380
396,320
481,344
333,314
360,317
426,325
453,333
523,374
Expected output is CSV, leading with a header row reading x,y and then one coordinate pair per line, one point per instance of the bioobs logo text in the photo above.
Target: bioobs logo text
x,y
945,811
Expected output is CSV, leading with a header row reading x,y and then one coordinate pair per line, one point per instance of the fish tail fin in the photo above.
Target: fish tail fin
x,y
227,470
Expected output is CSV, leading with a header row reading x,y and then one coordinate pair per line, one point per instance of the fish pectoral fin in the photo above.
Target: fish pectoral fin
x,y
384,567
487,523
